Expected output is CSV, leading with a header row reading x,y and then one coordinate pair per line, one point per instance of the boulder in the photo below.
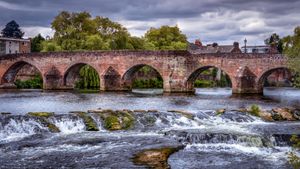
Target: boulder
x,y
285,113
155,158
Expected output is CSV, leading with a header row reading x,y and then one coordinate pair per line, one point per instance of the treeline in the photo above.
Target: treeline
x,y
79,31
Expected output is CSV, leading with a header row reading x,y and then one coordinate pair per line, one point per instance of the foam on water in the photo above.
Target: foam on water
x,y
18,129
68,126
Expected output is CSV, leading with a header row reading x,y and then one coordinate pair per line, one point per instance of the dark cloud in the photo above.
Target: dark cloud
x,y
212,20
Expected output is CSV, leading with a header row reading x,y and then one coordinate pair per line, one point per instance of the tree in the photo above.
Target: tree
x,y
12,30
165,38
292,50
275,39
36,43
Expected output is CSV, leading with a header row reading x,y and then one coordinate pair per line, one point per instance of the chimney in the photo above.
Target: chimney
x,y
198,43
236,45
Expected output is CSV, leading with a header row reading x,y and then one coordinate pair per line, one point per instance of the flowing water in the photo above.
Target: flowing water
x,y
231,140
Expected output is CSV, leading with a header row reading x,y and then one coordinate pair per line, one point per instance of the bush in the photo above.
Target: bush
x,y
204,83
35,83
148,83
254,110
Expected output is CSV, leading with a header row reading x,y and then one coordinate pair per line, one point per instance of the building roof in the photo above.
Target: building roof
x,y
14,39
213,48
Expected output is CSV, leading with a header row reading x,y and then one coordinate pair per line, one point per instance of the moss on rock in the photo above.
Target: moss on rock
x,y
41,114
89,122
43,117
117,120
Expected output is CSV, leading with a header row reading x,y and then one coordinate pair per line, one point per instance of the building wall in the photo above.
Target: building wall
x,y
12,47
2,48
24,47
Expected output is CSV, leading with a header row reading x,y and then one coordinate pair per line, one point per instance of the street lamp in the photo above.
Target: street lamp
x,y
245,41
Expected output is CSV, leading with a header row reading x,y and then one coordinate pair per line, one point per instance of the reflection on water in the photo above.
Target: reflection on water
x,y
205,99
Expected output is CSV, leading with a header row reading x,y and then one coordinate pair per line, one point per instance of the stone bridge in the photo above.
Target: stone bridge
x,y
178,69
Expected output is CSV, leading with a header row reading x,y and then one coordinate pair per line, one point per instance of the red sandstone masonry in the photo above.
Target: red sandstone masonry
x,y
116,68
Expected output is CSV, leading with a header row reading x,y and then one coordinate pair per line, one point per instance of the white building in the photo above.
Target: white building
x,y
12,46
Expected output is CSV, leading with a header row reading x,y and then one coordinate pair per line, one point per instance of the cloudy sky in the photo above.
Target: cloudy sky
x,y
222,21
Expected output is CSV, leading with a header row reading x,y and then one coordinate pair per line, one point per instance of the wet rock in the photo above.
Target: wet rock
x,y
296,114
89,122
152,111
277,117
220,111
155,158
140,111
267,116
5,113
183,113
285,113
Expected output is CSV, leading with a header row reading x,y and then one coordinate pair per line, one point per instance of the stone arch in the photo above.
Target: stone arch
x,y
11,73
127,77
263,77
71,74
195,74
110,80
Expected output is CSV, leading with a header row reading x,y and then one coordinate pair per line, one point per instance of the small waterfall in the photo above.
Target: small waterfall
x,y
68,124
197,137
17,129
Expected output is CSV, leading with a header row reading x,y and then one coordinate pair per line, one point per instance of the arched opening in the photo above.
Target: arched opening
x,y
81,76
277,77
22,75
209,77
142,78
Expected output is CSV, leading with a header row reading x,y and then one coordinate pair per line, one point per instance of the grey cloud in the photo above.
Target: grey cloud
x,y
228,18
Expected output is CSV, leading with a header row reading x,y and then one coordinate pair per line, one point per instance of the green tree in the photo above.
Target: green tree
x,y
275,39
12,30
292,50
165,38
36,43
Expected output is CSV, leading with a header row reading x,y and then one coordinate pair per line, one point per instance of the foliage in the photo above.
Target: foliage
x,y
50,46
35,83
12,30
294,160
89,78
165,38
147,83
292,50
275,39
41,114
79,31
254,110
36,43
204,83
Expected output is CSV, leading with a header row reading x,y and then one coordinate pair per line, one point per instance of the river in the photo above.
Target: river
x,y
231,140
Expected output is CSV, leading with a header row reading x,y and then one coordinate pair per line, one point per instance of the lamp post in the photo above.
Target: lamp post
x,y
245,41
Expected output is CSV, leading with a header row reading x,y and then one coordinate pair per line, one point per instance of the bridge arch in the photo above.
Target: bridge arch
x,y
129,74
10,75
195,74
264,75
72,74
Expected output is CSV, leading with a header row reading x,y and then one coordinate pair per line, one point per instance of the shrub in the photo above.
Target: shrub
x,y
254,110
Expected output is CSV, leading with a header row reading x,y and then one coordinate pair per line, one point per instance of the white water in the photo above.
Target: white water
x,y
69,126
18,129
